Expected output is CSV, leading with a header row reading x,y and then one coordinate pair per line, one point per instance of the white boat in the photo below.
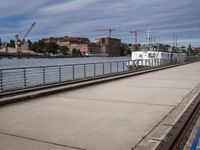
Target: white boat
x,y
155,58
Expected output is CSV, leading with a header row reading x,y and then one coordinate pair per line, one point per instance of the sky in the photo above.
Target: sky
x,y
86,18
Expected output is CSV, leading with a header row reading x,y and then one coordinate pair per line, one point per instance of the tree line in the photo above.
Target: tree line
x,y
52,48
46,48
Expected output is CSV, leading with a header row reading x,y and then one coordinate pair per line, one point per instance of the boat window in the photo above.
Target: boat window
x,y
151,55
140,55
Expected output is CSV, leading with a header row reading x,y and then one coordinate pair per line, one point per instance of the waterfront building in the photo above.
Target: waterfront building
x,y
104,47
110,46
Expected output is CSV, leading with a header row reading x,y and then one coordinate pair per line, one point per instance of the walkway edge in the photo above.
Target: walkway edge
x,y
163,133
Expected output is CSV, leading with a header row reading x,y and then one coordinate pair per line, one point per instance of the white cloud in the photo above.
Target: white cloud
x,y
9,8
82,17
65,7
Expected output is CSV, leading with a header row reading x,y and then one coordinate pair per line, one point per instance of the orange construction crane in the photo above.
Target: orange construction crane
x,y
19,43
29,30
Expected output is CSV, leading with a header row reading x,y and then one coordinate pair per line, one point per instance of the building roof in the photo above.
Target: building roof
x,y
69,39
76,40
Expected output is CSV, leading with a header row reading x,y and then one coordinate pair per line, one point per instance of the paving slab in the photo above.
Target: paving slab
x,y
9,142
111,116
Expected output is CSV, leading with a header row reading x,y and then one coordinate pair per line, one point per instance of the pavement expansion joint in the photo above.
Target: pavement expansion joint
x,y
118,101
42,141
160,87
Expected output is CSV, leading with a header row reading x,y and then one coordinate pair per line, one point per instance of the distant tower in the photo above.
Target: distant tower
x,y
148,36
189,49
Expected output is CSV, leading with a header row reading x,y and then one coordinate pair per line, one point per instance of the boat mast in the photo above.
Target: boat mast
x,y
148,38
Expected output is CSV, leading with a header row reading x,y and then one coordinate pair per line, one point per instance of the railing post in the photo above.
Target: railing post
x,y
110,67
94,69
145,63
43,72
73,72
132,67
156,63
123,65
24,75
160,62
103,69
84,70
60,77
117,66
142,63
1,80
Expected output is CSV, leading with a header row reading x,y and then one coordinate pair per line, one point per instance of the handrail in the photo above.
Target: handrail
x,y
18,78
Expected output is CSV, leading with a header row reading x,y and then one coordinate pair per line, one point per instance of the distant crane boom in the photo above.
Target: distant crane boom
x,y
19,43
108,30
27,33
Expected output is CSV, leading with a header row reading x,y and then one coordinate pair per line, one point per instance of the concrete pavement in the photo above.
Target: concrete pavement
x,y
115,115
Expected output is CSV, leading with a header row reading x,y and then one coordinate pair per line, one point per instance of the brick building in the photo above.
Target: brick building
x,y
78,43
110,46
94,49
104,47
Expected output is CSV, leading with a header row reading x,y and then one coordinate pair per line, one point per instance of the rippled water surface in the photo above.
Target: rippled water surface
x,y
29,62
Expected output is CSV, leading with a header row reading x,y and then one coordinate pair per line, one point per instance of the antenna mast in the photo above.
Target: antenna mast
x,y
135,33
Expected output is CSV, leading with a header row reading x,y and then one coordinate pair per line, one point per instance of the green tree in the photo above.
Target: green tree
x,y
29,43
76,52
51,47
34,46
166,48
0,42
41,45
124,50
64,50
182,46
79,54
11,44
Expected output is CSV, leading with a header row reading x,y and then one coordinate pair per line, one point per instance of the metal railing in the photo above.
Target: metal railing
x,y
13,79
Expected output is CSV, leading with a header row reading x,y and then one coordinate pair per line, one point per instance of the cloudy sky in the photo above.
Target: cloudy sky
x,y
85,18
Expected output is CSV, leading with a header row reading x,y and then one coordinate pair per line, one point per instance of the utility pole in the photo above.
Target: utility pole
x,y
173,43
151,39
135,33
110,32
148,36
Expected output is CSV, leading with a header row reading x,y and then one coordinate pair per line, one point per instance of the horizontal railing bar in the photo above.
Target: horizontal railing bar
x,y
13,68
24,77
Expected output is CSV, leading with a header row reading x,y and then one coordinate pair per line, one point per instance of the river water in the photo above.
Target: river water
x,y
30,62
47,70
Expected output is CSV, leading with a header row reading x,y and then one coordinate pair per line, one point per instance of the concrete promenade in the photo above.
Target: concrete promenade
x,y
130,113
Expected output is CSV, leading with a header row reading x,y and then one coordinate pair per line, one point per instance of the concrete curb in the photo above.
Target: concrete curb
x,y
167,129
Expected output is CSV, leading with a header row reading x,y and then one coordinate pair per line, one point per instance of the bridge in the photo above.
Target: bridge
x,y
156,108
